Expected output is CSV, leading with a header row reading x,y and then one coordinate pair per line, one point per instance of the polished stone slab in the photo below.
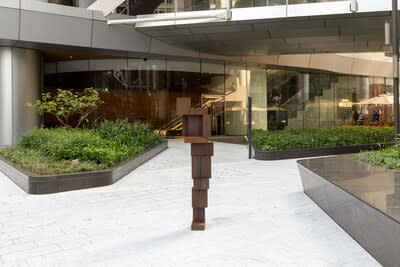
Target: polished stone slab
x,y
363,199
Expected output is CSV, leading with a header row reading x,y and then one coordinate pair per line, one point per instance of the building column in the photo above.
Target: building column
x,y
21,81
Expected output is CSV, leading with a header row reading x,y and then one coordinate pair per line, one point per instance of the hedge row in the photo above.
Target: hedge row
x,y
321,137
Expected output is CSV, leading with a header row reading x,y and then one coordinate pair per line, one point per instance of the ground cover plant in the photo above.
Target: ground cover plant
x,y
387,157
321,137
107,143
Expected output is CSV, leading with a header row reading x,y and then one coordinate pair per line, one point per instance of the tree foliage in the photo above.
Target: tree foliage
x,y
67,103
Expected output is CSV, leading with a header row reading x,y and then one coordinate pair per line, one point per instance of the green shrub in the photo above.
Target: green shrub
x,y
105,144
127,134
321,137
66,144
66,103
387,157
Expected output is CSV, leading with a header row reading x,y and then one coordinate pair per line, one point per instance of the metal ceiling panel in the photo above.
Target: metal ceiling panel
x,y
105,6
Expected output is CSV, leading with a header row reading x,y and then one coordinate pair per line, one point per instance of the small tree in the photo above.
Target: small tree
x,y
66,103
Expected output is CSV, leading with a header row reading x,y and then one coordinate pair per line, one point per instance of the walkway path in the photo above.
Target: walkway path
x,y
257,216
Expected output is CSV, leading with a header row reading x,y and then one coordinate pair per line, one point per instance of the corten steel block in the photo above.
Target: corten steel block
x,y
195,139
201,167
199,214
183,106
202,149
196,130
198,226
194,125
201,183
199,198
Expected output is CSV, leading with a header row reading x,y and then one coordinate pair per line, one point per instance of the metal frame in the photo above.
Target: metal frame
x,y
224,15
395,68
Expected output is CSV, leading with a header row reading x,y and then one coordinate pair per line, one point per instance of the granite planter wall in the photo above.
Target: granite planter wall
x,y
47,184
314,152
363,199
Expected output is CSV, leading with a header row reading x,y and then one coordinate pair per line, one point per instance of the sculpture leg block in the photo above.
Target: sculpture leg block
x,y
199,198
199,222
201,184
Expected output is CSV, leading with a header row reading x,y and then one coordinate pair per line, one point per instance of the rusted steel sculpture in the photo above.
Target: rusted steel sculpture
x,y
196,130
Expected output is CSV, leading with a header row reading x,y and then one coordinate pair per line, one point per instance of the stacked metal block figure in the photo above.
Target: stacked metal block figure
x,y
196,130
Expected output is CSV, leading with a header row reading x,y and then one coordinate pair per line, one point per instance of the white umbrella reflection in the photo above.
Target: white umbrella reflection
x,y
384,99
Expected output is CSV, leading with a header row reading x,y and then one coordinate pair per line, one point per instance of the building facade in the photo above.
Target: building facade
x,y
141,69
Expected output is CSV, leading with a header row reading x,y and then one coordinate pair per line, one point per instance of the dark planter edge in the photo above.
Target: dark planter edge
x,y
48,184
315,152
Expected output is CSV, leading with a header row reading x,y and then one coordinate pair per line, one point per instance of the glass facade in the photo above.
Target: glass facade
x,y
298,100
146,89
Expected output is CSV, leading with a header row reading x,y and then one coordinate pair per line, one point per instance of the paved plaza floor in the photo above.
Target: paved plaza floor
x,y
257,216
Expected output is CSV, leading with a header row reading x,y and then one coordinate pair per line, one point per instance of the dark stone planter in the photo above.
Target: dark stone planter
x,y
314,152
362,199
47,184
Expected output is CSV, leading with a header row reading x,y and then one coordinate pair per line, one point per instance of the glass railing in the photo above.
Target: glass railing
x,y
142,7
171,6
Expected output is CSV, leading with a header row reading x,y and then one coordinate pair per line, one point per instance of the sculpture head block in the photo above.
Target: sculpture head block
x,y
196,121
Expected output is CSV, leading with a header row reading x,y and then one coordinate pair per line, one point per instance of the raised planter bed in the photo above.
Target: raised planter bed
x,y
314,152
361,198
47,184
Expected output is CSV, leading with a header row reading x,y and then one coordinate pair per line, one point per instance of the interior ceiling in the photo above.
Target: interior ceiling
x,y
329,34
62,55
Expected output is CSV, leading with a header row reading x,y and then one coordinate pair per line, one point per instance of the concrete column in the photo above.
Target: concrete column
x,y
21,81
305,85
5,96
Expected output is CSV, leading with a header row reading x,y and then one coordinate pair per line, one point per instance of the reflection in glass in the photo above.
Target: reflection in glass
x,y
257,89
235,99
285,100
146,89
327,101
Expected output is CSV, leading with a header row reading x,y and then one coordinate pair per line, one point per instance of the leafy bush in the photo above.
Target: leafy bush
x,y
61,143
127,139
321,137
67,103
105,144
388,157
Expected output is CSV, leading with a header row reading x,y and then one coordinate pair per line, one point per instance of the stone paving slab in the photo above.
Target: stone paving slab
x,y
257,216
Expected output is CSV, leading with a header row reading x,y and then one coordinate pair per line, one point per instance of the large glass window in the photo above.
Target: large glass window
x,y
285,100
257,89
327,101
235,99
311,100
146,89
